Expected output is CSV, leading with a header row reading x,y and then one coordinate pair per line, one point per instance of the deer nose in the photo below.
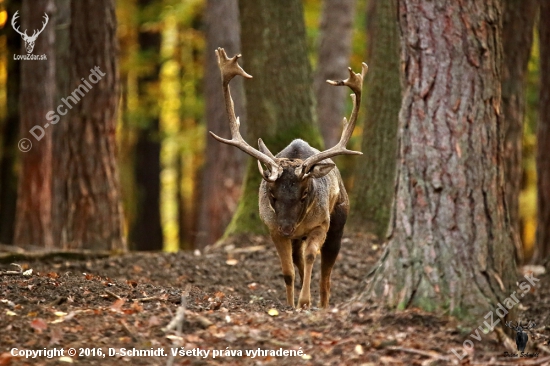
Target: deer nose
x,y
286,230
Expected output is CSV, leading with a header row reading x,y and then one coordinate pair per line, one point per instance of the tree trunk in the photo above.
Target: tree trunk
x,y
333,61
60,132
517,37
223,169
375,170
146,232
543,138
279,97
450,247
34,193
10,133
93,209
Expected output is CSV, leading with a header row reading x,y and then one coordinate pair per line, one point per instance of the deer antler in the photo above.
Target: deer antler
x,y
530,325
509,324
13,19
229,68
35,34
355,83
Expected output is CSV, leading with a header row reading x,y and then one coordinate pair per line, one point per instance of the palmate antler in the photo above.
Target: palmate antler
x,y
355,83
230,68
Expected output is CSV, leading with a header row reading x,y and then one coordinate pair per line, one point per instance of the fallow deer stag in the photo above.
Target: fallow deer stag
x,y
303,201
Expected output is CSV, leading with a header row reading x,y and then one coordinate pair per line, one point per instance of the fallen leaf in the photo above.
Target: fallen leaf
x,y
66,359
231,262
39,325
117,305
273,312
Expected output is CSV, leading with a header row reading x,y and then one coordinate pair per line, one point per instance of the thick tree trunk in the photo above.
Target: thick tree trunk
x,y
146,231
34,194
223,169
450,247
10,133
93,209
279,97
517,36
375,170
543,139
334,51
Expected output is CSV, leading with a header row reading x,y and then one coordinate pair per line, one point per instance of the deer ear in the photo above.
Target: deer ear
x,y
320,170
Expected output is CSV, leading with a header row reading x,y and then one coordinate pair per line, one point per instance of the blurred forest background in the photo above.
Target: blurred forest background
x,y
180,188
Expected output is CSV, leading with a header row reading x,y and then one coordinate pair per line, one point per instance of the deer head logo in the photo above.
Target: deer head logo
x,y
29,40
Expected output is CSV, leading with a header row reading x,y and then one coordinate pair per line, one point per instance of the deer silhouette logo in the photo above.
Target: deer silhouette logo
x,y
29,40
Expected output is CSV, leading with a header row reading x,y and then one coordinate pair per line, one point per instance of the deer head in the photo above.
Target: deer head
x,y
29,40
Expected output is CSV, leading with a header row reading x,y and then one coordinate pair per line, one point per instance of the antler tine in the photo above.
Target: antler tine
x,y
509,324
355,83
13,19
230,68
531,325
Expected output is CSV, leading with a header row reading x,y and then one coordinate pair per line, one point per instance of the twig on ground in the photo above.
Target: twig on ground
x,y
13,273
147,299
129,331
110,293
433,355
177,323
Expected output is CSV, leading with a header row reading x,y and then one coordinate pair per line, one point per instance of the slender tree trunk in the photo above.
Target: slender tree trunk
x,y
450,247
93,209
334,51
60,132
223,169
543,138
517,37
34,193
279,97
375,170
146,232
10,133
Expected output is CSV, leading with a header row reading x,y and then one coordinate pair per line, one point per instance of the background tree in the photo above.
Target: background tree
x,y
279,97
60,132
543,138
375,171
146,229
450,247
33,222
335,34
222,165
10,133
93,209
517,38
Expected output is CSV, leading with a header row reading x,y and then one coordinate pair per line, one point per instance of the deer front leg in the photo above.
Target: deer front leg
x,y
314,242
284,249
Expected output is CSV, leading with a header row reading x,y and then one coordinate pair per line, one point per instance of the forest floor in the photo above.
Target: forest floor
x,y
233,312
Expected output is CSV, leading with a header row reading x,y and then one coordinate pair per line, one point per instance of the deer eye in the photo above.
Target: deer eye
x,y
272,196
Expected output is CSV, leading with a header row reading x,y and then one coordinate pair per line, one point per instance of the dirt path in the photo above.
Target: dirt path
x,y
234,304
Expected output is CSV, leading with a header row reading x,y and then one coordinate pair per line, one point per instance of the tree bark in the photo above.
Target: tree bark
x,y
450,247
375,170
34,199
10,133
93,209
146,232
517,36
61,130
335,35
279,97
543,139
223,169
